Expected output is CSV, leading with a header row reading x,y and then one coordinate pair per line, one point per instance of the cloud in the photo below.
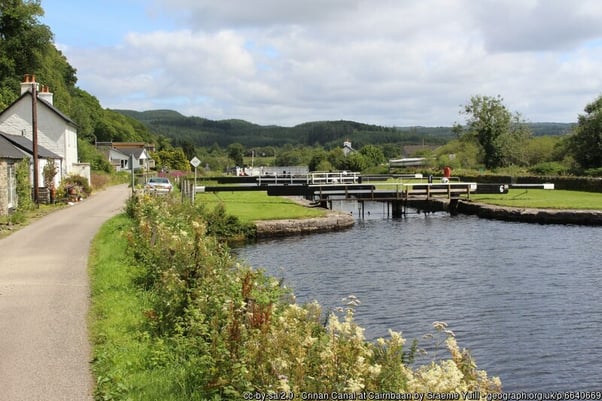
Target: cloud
x,y
384,62
542,25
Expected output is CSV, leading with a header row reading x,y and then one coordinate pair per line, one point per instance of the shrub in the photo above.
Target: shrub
x,y
79,182
549,168
226,329
24,187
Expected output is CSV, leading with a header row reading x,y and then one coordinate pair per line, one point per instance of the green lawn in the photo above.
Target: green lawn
x,y
251,206
543,199
257,205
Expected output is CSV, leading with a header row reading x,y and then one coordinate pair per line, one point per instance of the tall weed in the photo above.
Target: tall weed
x,y
220,330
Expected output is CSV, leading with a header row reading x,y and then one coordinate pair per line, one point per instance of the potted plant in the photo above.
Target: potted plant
x,y
49,172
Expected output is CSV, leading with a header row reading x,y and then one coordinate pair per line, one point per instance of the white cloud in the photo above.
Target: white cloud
x,y
385,62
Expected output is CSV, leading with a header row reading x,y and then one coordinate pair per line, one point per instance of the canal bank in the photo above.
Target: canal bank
x,y
530,215
508,213
333,221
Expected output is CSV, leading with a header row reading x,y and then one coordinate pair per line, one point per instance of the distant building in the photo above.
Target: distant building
x,y
120,153
347,149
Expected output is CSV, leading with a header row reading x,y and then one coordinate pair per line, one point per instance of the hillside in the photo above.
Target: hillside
x,y
203,132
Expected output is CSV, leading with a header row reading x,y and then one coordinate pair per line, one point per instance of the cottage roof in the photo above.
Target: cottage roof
x,y
115,154
138,153
10,151
43,102
24,145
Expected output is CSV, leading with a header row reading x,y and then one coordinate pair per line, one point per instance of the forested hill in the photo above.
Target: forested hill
x,y
204,132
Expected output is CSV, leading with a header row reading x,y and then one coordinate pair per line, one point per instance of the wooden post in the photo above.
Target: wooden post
x,y
34,140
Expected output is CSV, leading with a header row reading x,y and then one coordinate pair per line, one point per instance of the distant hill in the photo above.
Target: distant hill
x,y
204,132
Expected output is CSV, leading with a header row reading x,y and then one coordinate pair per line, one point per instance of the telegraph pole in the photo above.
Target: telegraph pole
x,y
34,134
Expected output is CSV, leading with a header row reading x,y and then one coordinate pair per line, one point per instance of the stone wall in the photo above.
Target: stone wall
x,y
333,221
529,215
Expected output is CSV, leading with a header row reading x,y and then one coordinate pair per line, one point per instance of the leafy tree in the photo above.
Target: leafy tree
x,y
236,153
500,134
87,153
23,41
173,159
319,161
292,157
373,155
542,149
336,157
585,143
355,162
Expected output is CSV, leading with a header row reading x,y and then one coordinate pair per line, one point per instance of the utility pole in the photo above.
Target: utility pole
x,y
34,133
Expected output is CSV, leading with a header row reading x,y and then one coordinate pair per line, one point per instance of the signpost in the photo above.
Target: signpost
x,y
195,163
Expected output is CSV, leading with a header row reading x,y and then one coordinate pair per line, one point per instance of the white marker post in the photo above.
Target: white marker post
x,y
195,163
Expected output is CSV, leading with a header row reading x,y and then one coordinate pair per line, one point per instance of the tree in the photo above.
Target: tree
x,y
23,42
373,155
500,134
319,161
236,152
585,144
173,159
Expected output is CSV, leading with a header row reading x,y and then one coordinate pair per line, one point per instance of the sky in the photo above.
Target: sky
x,y
286,62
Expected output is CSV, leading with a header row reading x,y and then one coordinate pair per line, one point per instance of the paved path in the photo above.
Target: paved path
x,y
44,299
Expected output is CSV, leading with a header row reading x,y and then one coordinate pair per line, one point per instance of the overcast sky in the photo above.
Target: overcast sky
x,y
285,62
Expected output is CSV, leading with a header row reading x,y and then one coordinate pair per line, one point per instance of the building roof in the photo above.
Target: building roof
x,y
10,151
115,154
25,145
43,102
138,153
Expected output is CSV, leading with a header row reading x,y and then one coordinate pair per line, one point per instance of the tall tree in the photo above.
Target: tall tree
x,y
500,134
236,153
23,43
585,143
373,155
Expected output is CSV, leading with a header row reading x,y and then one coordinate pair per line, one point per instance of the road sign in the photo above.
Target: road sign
x,y
195,162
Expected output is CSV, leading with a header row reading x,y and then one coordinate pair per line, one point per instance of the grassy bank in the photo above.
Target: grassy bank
x,y
543,199
249,206
123,352
175,317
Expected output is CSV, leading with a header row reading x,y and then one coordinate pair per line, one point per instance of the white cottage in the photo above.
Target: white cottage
x,y
56,131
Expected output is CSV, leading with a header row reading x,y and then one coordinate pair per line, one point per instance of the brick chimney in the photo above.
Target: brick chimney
x,y
28,81
45,94
43,91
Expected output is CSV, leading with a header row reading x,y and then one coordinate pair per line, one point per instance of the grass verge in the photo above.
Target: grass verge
x,y
257,205
543,199
124,354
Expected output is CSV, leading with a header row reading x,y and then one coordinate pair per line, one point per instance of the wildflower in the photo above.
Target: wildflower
x,y
439,326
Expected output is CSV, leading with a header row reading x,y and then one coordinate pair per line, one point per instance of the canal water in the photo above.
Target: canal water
x,y
525,299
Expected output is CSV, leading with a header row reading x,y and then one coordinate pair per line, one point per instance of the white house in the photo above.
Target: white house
x,y
44,156
9,156
347,149
56,132
128,155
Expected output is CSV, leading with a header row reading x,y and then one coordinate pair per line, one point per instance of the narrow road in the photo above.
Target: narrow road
x,y
44,298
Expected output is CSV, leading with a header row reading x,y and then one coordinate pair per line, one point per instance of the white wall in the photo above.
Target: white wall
x,y
54,133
